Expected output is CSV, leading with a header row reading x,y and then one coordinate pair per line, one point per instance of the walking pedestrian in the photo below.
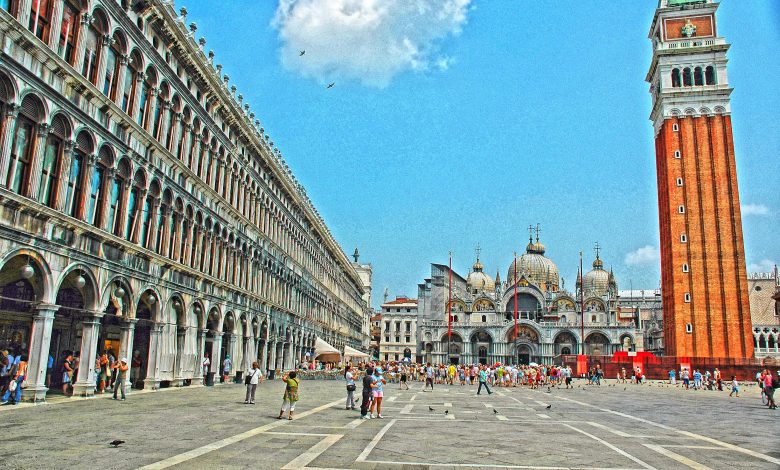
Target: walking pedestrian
x,y
734,386
18,373
377,392
253,377
368,379
227,366
403,383
121,377
350,378
483,381
429,373
67,374
290,397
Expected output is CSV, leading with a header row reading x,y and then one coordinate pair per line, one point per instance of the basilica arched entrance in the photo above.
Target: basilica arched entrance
x,y
565,343
455,347
597,344
524,354
482,343
525,342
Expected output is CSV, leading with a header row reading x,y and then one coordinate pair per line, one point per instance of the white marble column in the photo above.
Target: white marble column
x,y
81,41
10,113
55,26
126,347
152,382
64,176
199,379
38,358
216,356
90,332
101,58
36,165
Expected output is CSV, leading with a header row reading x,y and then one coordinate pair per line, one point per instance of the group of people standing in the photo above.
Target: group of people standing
x,y
13,372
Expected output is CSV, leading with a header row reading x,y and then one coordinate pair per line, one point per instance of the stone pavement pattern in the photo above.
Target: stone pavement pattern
x,y
209,427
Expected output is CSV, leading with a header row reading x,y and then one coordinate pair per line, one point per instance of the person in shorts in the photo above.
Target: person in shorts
x,y
403,379
428,377
377,392
734,386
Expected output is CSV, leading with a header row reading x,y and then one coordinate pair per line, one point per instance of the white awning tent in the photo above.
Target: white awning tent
x,y
352,353
325,352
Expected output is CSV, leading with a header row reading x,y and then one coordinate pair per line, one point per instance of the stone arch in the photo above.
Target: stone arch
x,y
41,280
69,279
85,141
33,106
117,293
9,89
61,125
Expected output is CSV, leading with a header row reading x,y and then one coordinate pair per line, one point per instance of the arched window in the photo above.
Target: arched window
x,y
710,75
687,77
69,32
146,240
112,69
23,145
77,174
92,53
134,205
676,79
52,161
131,80
40,18
698,76
99,188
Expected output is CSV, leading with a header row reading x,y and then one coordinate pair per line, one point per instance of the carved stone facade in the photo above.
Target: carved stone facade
x,y
143,208
549,316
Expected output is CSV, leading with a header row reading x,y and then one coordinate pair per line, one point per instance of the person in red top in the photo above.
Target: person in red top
x,y
769,388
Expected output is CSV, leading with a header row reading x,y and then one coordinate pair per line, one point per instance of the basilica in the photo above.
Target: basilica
x,y
529,317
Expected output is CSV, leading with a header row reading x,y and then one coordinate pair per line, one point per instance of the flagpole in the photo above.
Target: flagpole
x,y
515,296
449,312
582,307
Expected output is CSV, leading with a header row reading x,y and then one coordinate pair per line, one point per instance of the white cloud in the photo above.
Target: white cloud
x,y
643,256
763,266
754,209
366,40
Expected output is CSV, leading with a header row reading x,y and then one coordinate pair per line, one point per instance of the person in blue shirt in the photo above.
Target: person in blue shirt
x,y
672,377
377,392
696,379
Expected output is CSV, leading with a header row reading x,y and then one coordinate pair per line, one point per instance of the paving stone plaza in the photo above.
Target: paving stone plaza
x,y
607,427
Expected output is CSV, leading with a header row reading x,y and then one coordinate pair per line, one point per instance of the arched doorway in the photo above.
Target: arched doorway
x,y
481,342
524,353
115,315
627,343
228,333
597,344
145,313
454,349
212,329
565,343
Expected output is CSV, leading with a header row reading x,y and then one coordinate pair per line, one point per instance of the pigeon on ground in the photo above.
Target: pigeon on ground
x,y
430,409
495,412
549,406
624,389
446,412
116,443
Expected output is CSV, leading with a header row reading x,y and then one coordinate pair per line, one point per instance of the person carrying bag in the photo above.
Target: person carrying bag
x,y
253,377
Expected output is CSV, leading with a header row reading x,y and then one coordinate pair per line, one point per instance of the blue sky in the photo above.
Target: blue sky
x,y
463,124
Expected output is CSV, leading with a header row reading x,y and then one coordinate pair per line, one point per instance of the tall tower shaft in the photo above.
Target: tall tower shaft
x,y
703,274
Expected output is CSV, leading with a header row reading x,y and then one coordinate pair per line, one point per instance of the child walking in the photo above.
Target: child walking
x,y
734,386
290,395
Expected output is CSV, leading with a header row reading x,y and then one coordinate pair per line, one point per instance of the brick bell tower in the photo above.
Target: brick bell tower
x,y
704,282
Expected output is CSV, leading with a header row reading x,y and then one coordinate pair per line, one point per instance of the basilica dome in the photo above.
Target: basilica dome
x,y
597,281
478,281
537,268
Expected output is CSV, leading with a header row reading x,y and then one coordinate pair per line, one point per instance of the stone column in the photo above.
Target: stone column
x,y
151,103
89,164
126,347
216,354
36,165
102,215
101,66
81,41
164,123
9,118
232,351
152,382
201,348
122,206
55,26
139,84
184,155
23,12
135,230
64,177
194,154
38,357
120,80
171,143
286,352
85,382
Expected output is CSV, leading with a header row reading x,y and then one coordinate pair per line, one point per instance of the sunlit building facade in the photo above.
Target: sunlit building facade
x,y
143,208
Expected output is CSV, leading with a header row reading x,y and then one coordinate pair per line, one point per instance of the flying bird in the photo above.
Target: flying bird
x,y
301,53
331,85
549,406
116,443
430,409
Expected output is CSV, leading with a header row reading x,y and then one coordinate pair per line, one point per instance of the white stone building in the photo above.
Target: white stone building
x,y
399,330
